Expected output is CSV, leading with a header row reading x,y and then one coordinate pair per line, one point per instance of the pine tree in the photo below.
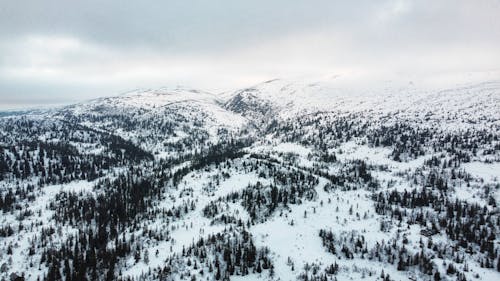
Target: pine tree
x,y
437,276
146,256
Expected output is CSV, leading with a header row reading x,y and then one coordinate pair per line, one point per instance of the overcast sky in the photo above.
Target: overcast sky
x,y
63,51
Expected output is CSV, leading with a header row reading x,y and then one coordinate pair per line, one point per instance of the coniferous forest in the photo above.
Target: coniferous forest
x,y
246,187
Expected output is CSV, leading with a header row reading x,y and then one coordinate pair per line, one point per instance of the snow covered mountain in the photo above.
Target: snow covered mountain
x,y
323,179
159,120
289,99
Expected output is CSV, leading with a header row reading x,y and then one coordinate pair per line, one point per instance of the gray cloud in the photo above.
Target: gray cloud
x,y
191,25
65,51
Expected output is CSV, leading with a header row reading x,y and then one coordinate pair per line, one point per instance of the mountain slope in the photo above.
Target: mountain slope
x,y
328,179
287,99
159,120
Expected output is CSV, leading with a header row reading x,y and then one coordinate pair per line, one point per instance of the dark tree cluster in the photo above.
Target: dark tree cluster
x,y
472,227
406,137
217,257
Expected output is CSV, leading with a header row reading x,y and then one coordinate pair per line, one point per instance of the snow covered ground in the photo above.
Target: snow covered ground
x,y
453,154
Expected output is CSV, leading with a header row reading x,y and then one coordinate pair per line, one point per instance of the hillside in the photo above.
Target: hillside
x,y
326,179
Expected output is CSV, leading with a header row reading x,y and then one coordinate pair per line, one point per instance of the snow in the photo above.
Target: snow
x,y
194,225
301,241
469,194
289,233
467,104
287,147
490,172
22,241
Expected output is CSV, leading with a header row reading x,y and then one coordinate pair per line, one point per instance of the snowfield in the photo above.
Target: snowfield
x,y
326,179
